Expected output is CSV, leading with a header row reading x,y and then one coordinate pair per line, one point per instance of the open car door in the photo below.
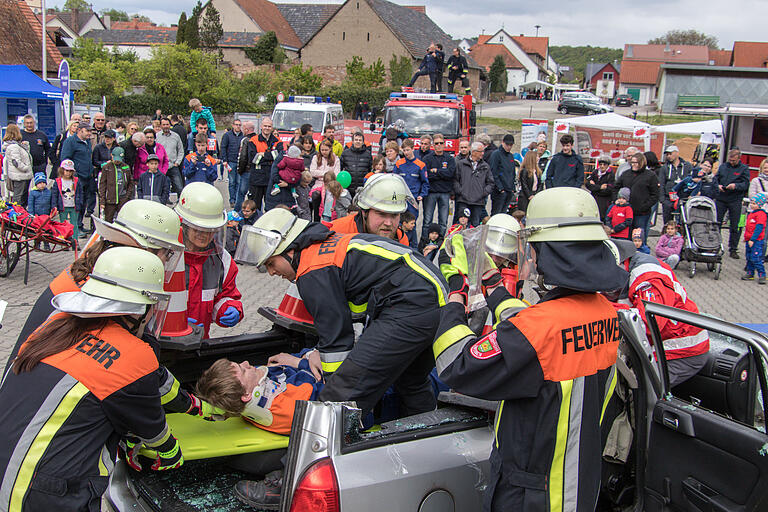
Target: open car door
x,y
707,443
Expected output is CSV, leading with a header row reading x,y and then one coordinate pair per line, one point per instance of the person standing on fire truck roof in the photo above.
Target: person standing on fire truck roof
x,y
551,364
211,274
381,201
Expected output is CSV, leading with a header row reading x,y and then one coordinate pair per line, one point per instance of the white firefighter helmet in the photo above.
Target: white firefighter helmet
x,y
385,192
271,234
202,206
142,223
563,214
501,239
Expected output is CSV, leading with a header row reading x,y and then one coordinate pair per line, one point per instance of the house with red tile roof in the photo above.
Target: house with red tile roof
x,y
21,39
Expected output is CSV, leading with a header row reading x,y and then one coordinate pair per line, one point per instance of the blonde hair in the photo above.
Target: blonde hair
x,y
392,145
530,164
194,102
12,133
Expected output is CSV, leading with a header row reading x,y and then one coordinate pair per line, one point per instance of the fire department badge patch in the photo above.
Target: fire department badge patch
x,y
486,347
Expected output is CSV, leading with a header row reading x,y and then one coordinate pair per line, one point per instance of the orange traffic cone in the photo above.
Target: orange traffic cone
x,y
291,314
176,319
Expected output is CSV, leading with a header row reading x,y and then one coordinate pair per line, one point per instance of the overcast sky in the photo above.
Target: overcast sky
x,y
582,22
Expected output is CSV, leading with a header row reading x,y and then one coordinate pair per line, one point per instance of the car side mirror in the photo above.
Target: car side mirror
x,y
472,131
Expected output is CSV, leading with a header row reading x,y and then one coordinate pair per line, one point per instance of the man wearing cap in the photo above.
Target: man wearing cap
x,y
102,153
732,181
674,170
152,184
600,183
115,184
504,170
78,149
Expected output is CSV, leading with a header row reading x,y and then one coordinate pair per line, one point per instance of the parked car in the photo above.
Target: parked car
x,y
571,105
625,100
699,446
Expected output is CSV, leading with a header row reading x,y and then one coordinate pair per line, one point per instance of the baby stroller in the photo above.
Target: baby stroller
x,y
703,243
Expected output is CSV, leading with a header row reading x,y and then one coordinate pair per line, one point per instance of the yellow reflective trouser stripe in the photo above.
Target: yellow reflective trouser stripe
x,y
496,423
362,308
608,395
170,395
330,367
41,442
556,476
449,337
390,255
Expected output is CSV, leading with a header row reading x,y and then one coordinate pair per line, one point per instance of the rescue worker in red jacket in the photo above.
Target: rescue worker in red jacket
x,y
140,223
381,201
685,345
344,276
210,271
82,381
551,364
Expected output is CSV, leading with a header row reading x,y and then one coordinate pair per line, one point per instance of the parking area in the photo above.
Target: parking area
x,y
518,109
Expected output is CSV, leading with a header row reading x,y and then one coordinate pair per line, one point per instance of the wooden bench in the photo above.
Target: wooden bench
x,y
697,101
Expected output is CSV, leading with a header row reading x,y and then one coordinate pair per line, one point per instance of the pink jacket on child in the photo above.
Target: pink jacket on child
x,y
669,245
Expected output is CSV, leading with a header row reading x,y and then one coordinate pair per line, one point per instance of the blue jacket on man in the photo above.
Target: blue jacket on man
x,y
79,151
414,172
230,147
441,181
565,171
728,174
503,167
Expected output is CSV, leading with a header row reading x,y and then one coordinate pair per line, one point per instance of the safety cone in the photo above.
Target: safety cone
x,y
176,319
291,314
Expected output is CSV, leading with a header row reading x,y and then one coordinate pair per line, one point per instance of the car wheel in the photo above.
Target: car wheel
x,y
591,112
563,110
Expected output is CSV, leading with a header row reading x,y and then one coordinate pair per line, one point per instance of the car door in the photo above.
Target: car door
x,y
707,443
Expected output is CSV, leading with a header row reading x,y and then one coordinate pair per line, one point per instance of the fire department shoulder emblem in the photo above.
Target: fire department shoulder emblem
x,y
486,347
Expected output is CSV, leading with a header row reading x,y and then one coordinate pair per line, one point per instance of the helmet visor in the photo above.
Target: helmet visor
x,y
502,243
172,260
156,316
197,239
256,245
84,305
467,251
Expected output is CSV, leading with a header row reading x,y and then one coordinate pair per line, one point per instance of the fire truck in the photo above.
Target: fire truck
x,y
314,110
426,113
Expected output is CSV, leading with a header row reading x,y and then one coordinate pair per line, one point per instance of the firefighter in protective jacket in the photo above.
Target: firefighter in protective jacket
x,y
551,365
210,271
341,277
81,382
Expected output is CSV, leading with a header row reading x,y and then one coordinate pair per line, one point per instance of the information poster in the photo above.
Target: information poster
x,y
46,117
613,140
531,130
16,108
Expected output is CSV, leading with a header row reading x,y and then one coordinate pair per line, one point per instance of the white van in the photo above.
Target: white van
x,y
314,110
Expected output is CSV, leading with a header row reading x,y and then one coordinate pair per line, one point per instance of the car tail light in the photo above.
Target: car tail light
x,y
317,490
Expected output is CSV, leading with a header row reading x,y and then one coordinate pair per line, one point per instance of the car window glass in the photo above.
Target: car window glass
x,y
727,380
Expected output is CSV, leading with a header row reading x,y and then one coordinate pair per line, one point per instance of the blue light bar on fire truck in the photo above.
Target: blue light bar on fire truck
x,y
308,99
422,96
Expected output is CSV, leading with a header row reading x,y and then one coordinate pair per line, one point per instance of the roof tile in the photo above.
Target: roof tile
x,y
531,44
269,18
639,72
750,54
148,37
20,38
307,19
484,54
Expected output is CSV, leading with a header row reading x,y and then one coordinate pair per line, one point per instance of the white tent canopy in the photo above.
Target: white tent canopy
x,y
536,82
696,128
608,121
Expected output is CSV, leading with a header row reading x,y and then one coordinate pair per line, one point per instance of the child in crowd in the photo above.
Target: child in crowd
x,y
519,216
408,225
198,110
236,220
290,168
115,184
462,220
323,200
341,199
154,185
265,395
754,237
68,196
199,165
303,209
670,244
619,215
637,239
689,186
40,198
248,213
428,245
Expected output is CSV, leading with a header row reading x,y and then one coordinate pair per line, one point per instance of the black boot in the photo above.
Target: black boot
x,y
263,495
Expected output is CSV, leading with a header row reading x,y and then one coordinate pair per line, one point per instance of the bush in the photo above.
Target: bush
x,y
349,95
146,104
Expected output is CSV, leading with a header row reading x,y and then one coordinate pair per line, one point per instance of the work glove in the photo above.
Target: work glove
x,y
194,322
491,280
230,317
128,450
458,285
168,456
205,410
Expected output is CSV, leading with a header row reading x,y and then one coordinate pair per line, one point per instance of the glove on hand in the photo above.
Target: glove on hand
x,y
205,410
168,456
128,449
459,286
230,317
491,280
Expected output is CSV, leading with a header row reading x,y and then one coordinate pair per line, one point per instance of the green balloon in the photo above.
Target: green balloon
x,y
344,178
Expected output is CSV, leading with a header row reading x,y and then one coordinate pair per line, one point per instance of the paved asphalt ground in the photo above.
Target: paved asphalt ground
x,y
729,298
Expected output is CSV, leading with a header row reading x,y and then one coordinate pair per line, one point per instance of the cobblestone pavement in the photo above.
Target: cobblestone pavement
x,y
729,298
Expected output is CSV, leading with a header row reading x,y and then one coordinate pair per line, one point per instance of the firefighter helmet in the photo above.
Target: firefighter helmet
x,y
201,206
385,192
563,214
271,234
501,239
142,223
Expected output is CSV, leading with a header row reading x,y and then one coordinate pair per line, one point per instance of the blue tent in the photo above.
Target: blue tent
x,y
18,81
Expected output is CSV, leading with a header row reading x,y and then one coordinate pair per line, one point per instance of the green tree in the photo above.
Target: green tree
x,y
180,73
181,28
367,76
115,14
400,70
577,57
498,75
211,30
80,5
140,18
263,52
297,80
691,37
102,78
192,27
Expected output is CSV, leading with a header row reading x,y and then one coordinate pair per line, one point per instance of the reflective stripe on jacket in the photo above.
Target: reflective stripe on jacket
x,y
211,285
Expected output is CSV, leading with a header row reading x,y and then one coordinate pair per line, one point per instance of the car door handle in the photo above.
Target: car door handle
x,y
679,422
